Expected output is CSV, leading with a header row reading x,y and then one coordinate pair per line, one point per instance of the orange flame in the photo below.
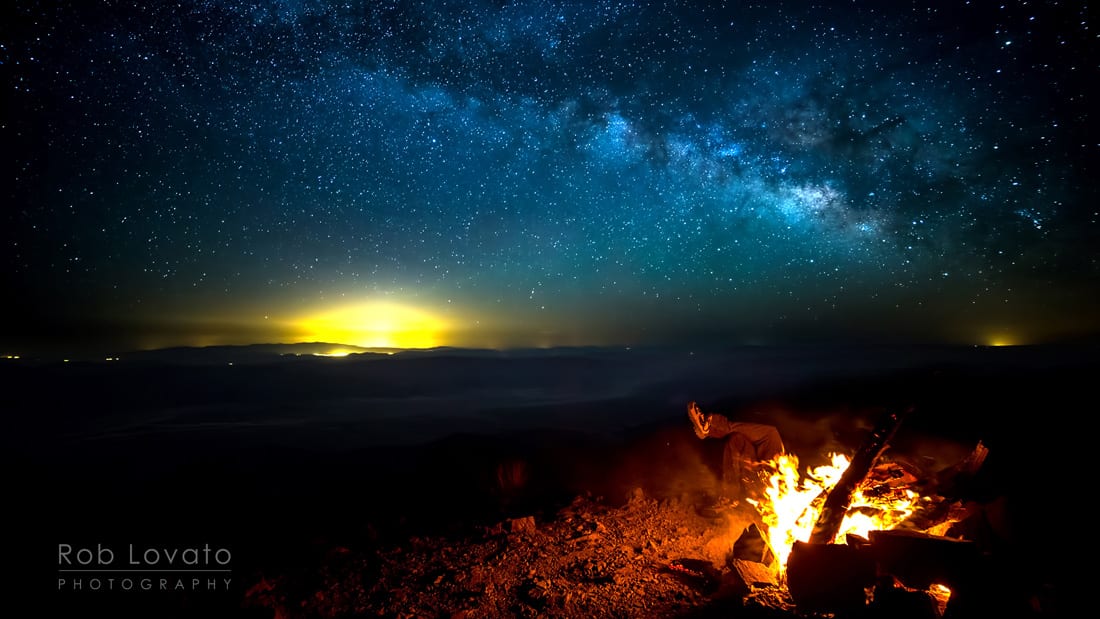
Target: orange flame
x,y
792,503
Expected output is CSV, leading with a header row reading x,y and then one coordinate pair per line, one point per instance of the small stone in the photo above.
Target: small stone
x,y
525,524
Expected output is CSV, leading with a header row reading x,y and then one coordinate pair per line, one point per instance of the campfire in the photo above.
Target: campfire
x,y
842,533
793,502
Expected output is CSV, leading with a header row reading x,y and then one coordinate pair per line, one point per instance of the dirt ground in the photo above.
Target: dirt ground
x,y
645,558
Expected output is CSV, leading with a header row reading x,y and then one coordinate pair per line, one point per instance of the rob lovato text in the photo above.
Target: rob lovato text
x,y
143,568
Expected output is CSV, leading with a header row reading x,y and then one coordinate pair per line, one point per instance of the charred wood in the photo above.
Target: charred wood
x,y
840,497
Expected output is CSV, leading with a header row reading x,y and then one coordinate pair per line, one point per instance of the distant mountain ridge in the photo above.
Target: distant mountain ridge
x,y
281,352
268,352
250,352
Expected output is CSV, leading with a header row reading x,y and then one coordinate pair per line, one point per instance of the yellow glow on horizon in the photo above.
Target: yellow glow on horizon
x,y
375,324
1002,339
333,353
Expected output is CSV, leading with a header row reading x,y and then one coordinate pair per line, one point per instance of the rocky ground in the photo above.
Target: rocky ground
x,y
644,558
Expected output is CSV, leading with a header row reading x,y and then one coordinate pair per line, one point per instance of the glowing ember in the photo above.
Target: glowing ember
x,y
792,503
941,594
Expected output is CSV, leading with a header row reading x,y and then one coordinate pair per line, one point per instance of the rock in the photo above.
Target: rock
x,y
474,581
749,574
526,524
534,593
751,546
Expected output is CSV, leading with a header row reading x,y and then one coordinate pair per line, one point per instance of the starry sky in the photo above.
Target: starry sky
x,y
548,172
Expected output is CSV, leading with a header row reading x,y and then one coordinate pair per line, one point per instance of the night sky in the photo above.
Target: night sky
x,y
547,173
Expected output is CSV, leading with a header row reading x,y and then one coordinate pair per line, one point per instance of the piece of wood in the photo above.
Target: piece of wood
x,y
946,498
829,578
840,497
918,559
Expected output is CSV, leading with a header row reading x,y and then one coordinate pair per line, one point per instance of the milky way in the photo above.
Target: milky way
x,y
551,173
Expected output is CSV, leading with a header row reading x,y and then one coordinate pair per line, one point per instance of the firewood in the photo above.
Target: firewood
x,y
840,497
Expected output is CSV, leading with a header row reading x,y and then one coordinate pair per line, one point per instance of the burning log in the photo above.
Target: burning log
x,y
835,577
840,498
920,560
950,488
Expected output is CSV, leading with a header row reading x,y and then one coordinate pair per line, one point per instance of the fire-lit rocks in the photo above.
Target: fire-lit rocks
x,y
587,560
